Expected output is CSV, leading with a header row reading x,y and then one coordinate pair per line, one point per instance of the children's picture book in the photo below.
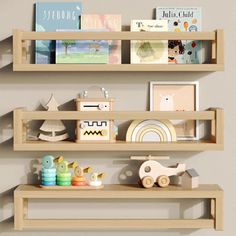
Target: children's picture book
x,y
182,19
82,51
149,52
51,16
109,23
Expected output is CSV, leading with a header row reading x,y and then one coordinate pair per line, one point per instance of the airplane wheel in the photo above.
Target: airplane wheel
x,y
163,181
147,182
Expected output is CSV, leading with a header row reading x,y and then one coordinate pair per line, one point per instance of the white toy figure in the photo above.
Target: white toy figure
x,y
95,179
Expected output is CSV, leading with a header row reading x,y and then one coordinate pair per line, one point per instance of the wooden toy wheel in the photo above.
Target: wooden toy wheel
x,y
147,182
163,181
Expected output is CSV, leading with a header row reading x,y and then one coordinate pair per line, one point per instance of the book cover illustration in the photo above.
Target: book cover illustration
x,y
182,19
149,52
109,23
82,51
50,17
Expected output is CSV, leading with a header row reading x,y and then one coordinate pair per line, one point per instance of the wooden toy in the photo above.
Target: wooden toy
x,y
79,178
190,179
151,131
151,172
95,179
48,173
54,130
63,177
95,130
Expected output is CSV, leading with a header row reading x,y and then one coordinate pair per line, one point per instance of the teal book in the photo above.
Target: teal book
x,y
51,16
82,51
182,19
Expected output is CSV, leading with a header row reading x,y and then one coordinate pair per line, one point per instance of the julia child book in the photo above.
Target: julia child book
x,y
108,22
182,19
149,52
51,16
81,51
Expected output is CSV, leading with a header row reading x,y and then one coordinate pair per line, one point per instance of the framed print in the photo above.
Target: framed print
x,y
177,96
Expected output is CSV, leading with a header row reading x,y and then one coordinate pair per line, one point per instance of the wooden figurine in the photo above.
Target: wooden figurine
x,y
53,130
48,173
95,130
79,178
95,179
63,177
151,172
190,179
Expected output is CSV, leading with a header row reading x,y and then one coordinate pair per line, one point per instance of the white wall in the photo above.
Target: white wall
x,y
131,93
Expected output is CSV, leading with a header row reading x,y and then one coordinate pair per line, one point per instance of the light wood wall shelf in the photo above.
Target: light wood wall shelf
x,y
20,49
214,115
213,193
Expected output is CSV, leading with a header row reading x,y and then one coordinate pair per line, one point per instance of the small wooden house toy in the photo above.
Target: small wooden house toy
x,y
95,130
190,179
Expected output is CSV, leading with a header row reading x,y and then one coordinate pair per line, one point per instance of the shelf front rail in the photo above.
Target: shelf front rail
x,y
20,46
214,115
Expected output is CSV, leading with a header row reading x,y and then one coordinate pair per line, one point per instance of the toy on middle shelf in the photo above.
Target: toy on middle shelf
x,y
95,179
63,175
79,178
52,130
95,130
151,171
151,131
48,174
190,179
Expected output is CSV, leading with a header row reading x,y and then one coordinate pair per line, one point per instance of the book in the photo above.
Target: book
x,y
107,22
82,51
51,16
149,52
182,19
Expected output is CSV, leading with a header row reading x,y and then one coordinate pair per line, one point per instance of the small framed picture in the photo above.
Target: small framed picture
x,y
177,96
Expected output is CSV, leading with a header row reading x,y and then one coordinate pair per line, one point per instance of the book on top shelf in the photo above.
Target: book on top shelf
x,y
51,16
108,22
81,51
182,19
149,52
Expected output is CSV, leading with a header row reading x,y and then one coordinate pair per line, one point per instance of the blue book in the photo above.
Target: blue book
x,y
51,17
82,51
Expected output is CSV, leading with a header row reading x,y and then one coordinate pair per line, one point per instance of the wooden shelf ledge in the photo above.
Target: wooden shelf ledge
x,y
210,192
21,37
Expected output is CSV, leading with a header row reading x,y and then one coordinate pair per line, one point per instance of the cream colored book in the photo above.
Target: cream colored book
x,y
149,52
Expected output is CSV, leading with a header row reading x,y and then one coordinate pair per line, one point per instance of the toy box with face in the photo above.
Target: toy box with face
x,y
95,130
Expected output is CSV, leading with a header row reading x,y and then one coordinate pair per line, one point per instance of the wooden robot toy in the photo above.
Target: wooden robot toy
x,y
95,130
151,171
79,179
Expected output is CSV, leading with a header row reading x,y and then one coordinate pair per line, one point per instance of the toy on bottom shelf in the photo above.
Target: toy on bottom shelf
x,y
63,175
151,171
48,175
79,178
95,179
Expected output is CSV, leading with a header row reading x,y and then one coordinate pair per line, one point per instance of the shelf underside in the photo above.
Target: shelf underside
x,y
118,146
118,67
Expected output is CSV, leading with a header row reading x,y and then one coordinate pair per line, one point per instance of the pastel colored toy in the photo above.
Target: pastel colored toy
x,y
151,172
48,173
79,178
95,179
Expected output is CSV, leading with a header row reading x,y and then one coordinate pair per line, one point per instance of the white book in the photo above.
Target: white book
x,y
153,51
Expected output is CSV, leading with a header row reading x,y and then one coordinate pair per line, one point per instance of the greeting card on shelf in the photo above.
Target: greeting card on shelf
x,y
182,19
107,22
51,16
149,52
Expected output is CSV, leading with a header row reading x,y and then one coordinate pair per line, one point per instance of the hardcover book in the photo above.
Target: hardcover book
x,y
149,52
82,51
108,23
51,16
182,19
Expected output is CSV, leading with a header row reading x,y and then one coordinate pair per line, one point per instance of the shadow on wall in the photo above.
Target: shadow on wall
x,y
5,52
